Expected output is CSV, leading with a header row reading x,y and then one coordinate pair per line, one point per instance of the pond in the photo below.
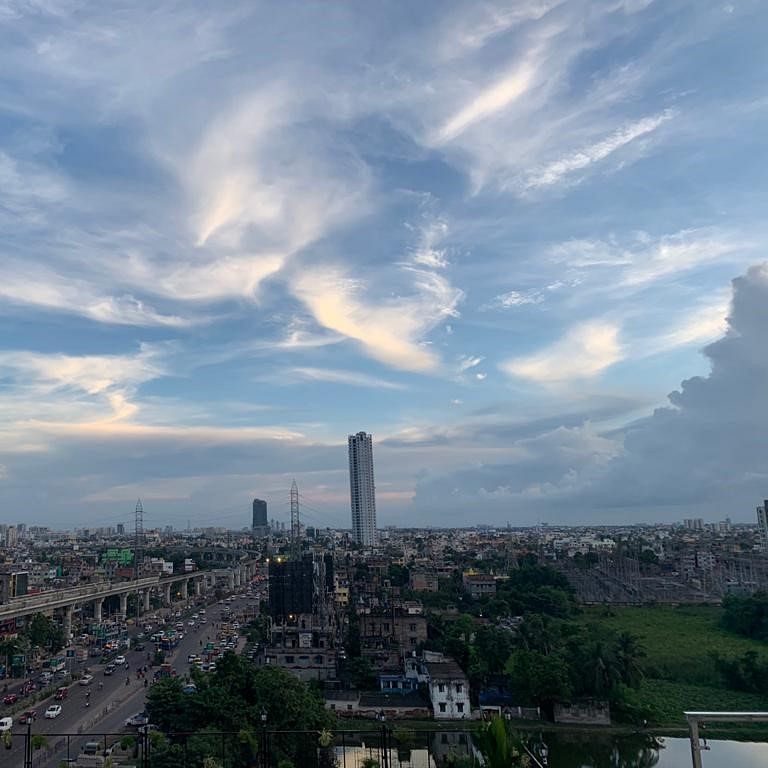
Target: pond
x,y
566,750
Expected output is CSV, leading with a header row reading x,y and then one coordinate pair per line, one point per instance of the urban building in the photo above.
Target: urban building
x,y
260,524
304,633
762,525
362,489
447,684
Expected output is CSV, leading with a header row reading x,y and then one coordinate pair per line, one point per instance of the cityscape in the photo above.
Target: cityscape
x,y
382,385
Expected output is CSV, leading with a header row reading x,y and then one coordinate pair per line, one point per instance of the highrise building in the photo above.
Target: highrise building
x,y
762,525
260,525
362,489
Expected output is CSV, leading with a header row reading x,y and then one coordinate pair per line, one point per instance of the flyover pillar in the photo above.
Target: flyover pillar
x,y
98,605
67,625
231,578
124,604
184,593
167,594
198,587
147,605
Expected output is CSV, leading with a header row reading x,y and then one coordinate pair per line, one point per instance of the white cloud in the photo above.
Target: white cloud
x,y
512,299
43,288
390,331
557,171
466,362
584,352
643,259
704,324
490,100
75,389
427,254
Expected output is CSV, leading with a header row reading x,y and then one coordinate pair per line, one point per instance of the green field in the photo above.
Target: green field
x,y
679,644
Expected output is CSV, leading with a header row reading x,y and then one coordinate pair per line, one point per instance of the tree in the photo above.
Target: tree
x,y
44,633
499,746
629,651
232,699
539,680
360,674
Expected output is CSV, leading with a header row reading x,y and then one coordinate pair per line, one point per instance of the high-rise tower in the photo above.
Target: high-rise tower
x,y
362,489
259,526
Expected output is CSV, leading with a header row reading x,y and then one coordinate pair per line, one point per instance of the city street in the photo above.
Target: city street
x,y
109,708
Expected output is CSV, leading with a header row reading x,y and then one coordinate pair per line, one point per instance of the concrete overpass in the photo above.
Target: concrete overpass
x,y
68,599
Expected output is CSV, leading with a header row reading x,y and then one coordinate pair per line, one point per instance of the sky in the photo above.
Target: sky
x,y
520,243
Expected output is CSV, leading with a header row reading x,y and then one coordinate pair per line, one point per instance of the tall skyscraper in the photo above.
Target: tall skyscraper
x,y
260,525
362,489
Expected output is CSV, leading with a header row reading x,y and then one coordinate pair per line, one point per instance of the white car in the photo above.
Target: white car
x,y
6,723
86,679
53,711
120,659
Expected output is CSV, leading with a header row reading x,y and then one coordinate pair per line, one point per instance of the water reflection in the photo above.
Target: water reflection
x,y
591,750
588,749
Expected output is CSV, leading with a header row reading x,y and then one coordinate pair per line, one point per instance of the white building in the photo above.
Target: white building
x,y
362,489
448,686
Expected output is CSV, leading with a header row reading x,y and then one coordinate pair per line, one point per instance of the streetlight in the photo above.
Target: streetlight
x,y
382,718
263,719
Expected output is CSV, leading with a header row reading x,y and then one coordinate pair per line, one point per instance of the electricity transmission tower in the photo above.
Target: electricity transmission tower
x,y
295,524
138,548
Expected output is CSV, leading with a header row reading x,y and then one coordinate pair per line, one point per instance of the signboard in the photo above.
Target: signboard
x,y
70,653
305,639
18,660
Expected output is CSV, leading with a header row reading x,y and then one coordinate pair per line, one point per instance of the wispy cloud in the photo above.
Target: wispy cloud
x,y
642,259
490,100
338,376
584,352
390,331
562,168
512,299
43,288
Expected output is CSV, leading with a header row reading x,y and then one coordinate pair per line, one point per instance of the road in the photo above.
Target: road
x,y
109,708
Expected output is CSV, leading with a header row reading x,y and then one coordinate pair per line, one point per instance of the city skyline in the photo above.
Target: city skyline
x,y
522,245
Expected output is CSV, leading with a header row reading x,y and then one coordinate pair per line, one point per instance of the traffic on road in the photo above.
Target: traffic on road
x,y
109,697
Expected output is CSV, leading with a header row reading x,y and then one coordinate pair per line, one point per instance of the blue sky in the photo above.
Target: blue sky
x,y
495,235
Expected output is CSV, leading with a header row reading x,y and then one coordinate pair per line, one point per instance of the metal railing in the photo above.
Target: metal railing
x,y
256,748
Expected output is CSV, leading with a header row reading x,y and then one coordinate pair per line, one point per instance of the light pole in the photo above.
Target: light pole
x,y
264,738
382,718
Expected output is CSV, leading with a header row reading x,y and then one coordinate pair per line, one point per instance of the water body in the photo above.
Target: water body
x,y
574,750
593,751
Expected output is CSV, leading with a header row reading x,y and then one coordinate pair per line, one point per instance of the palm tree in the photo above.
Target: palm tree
x,y
628,655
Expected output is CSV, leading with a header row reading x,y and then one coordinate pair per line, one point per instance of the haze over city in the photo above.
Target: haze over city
x,y
522,245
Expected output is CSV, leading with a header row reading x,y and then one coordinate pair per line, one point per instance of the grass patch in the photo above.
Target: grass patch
x,y
679,642
669,700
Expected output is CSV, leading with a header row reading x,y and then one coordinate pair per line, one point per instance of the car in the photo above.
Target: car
x,y
110,668
11,698
191,623
137,720
28,717
86,679
61,694
53,711
139,647
120,659
6,723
